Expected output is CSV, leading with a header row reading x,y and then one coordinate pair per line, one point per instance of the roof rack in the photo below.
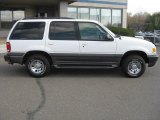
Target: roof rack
x,y
47,18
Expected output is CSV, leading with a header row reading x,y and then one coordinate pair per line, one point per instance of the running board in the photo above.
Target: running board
x,y
85,67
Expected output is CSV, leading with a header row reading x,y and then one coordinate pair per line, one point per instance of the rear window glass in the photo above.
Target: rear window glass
x,y
28,31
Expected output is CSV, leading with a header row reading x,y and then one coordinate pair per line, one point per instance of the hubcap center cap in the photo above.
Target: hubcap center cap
x,y
38,65
134,66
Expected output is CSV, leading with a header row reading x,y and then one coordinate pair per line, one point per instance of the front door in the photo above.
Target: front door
x,y
97,47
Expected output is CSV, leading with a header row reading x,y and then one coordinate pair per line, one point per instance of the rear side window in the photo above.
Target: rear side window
x,y
28,31
62,31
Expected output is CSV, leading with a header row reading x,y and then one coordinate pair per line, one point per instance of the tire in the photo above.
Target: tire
x,y
133,66
38,65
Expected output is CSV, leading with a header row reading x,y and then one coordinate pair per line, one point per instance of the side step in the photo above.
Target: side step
x,y
85,67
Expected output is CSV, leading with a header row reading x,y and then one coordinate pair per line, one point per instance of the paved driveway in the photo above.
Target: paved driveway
x,y
3,48
78,95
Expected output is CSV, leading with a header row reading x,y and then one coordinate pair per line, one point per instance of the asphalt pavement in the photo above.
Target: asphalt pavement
x,y
78,94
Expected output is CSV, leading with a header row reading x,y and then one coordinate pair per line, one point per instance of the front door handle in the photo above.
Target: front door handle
x,y
50,44
84,44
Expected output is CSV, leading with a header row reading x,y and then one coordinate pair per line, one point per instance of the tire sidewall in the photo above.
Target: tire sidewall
x,y
41,58
133,58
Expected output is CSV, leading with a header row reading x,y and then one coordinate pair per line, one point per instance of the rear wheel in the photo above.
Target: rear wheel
x,y
133,66
37,65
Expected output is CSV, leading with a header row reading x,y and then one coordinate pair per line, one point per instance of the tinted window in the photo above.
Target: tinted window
x,y
28,31
62,31
91,31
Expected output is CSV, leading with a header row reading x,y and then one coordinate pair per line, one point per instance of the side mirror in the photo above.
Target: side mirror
x,y
105,37
118,36
108,37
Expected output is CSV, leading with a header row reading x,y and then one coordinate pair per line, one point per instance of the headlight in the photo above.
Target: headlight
x,y
154,50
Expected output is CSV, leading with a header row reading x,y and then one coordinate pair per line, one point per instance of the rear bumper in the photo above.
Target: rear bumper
x,y
152,60
12,58
7,58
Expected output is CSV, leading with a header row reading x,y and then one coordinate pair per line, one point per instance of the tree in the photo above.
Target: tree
x,y
137,21
144,21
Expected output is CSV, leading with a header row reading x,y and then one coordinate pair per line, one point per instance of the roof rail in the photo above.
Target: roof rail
x,y
47,18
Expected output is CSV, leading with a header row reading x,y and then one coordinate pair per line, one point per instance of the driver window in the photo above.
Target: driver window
x,y
92,32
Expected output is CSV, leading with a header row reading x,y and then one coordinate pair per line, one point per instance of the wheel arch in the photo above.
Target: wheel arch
x,y
37,52
135,52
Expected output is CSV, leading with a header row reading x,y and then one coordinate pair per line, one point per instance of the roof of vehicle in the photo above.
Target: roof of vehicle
x,y
54,19
47,18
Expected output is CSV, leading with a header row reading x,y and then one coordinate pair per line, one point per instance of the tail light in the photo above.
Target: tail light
x,y
8,46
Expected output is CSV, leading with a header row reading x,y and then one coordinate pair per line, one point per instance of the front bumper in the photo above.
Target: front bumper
x,y
152,60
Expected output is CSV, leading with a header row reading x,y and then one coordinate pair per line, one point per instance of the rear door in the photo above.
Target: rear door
x,y
62,42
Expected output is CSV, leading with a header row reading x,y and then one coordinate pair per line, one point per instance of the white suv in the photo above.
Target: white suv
x,y
73,43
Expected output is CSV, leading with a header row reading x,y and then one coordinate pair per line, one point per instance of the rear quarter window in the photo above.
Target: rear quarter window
x,y
28,31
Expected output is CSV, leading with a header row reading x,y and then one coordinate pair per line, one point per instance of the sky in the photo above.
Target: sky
x,y
149,6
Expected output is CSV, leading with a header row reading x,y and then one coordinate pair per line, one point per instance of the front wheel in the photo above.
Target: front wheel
x,y
133,66
37,65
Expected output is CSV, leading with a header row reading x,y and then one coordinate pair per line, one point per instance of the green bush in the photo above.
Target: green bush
x,y
122,31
